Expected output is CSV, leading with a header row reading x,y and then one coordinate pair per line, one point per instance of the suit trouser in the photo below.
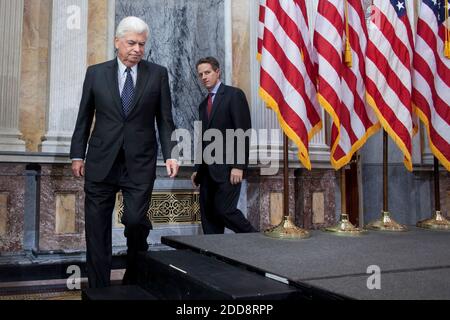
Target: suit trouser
x,y
218,207
99,205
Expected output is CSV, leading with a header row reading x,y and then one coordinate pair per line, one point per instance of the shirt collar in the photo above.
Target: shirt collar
x,y
216,88
123,67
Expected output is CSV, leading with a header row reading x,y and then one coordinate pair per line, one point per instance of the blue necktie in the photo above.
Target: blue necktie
x,y
127,93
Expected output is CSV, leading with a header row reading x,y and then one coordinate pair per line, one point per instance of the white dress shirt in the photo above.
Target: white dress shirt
x,y
122,74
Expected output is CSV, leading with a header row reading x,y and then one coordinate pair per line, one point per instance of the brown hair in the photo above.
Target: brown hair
x,y
211,60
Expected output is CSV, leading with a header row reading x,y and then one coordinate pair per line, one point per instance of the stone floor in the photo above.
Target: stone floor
x,y
53,289
65,295
40,276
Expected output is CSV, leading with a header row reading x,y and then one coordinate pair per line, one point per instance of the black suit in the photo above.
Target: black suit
x,y
122,155
218,197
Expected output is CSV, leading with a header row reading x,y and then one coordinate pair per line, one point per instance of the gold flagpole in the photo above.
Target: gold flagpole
x,y
438,221
385,223
344,227
286,229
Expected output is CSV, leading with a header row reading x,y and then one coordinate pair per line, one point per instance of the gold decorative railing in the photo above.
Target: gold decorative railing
x,y
167,207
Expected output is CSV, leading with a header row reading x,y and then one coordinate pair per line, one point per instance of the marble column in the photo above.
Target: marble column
x,y
67,69
98,31
34,72
11,20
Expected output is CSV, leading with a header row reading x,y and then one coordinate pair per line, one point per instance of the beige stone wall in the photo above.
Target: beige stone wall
x,y
97,31
240,12
34,90
34,73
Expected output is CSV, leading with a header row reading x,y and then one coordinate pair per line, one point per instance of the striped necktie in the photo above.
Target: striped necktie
x,y
127,93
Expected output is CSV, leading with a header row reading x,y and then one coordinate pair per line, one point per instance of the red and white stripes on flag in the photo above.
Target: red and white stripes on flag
x,y
431,76
288,73
340,26
388,68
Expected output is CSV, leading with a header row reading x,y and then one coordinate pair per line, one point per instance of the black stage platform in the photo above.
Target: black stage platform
x,y
124,292
186,275
413,264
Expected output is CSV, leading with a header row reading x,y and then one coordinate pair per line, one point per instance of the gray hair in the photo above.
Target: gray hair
x,y
132,24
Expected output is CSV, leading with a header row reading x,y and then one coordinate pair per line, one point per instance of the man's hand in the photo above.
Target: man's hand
x,y
78,168
236,176
172,167
194,175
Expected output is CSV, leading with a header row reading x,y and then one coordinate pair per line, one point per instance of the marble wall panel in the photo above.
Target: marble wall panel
x,y
3,213
260,201
181,32
311,188
276,208
65,221
444,182
12,189
57,180
318,208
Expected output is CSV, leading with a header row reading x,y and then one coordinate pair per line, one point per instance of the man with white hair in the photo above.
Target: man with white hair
x,y
126,95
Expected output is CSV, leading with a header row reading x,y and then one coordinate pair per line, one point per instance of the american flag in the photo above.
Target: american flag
x,y
340,27
388,68
288,74
262,14
431,77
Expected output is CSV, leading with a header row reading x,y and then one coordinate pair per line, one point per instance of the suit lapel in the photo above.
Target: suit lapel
x,y
113,83
202,114
218,99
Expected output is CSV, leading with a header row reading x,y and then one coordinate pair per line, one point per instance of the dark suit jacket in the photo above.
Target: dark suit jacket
x,y
230,111
136,133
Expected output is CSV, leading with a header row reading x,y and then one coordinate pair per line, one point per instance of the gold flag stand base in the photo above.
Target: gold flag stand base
x,y
386,224
287,230
345,228
438,222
